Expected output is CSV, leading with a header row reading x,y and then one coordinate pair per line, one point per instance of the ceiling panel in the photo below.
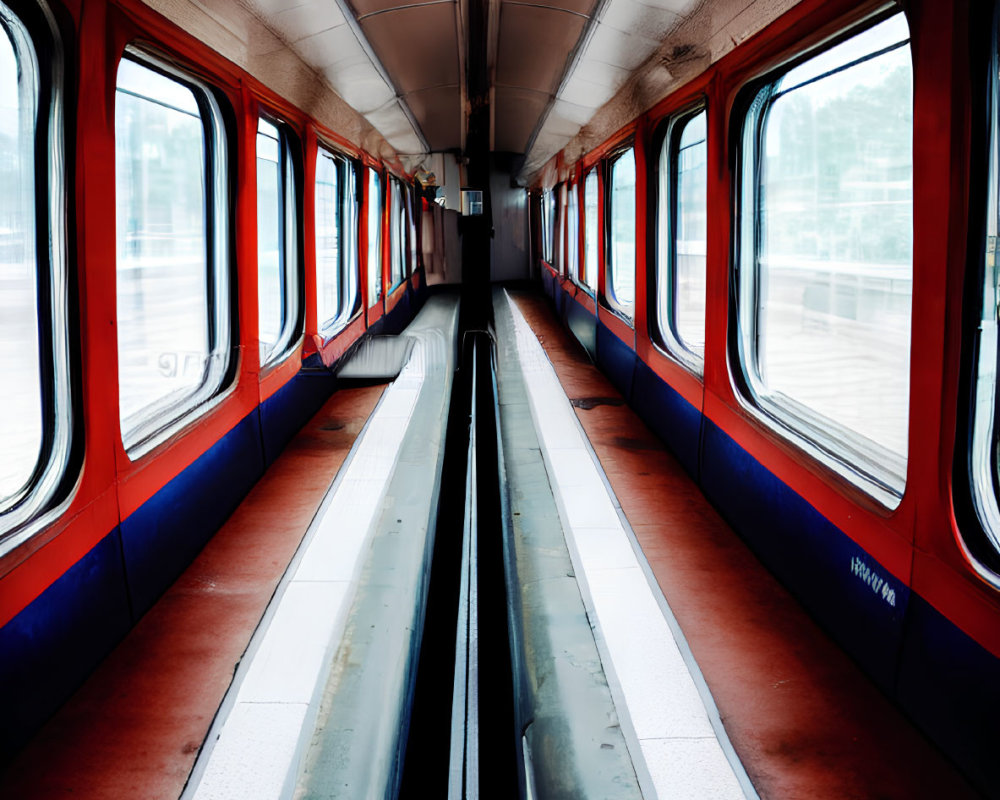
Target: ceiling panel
x,y
583,7
306,19
439,114
328,47
515,117
418,45
392,122
610,46
534,45
365,7
361,86
639,19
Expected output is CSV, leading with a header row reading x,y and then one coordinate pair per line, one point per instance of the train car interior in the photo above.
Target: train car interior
x,y
499,398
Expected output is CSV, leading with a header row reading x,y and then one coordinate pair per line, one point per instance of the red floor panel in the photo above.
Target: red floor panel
x,y
802,717
134,729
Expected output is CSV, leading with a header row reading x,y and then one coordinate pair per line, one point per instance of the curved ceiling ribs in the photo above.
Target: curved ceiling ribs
x,y
563,73
398,64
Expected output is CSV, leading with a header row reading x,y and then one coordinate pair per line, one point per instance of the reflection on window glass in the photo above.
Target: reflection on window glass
x,y
270,288
21,394
397,236
561,229
328,224
622,265
573,234
374,236
682,238
984,456
591,232
411,220
548,225
827,318
336,242
168,358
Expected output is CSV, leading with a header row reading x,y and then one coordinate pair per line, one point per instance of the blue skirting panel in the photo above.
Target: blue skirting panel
x,y
669,415
549,282
951,686
396,320
288,409
166,532
583,325
49,649
853,596
616,360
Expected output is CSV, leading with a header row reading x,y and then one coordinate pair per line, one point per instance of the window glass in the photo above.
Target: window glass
x,y
682,238
622,232
411,218
826,243
561,228
35,400
336,242
20,325
397,236
591,232
984,457
277,251
573,234
374,236
172,336
350,232
328,225
548,225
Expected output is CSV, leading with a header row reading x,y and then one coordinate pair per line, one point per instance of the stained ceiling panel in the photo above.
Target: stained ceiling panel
x,y
641,19
534,45
417,45
620,42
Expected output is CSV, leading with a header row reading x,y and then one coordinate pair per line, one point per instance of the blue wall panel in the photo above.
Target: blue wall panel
x,y
549,282
166,532
951,686
399,317
50,648
284,413
669,415
561,299
847,591
583,325
617,360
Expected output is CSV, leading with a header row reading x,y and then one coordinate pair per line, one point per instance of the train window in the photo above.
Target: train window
x,y
172,247
621,238
336,212
397,235
558,228
573,234
277,242
548,224
411,228
374,236
683,213
36,419
825,266
591,231
984,455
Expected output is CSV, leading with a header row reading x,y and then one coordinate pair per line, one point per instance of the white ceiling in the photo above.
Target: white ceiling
x,y
565,74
